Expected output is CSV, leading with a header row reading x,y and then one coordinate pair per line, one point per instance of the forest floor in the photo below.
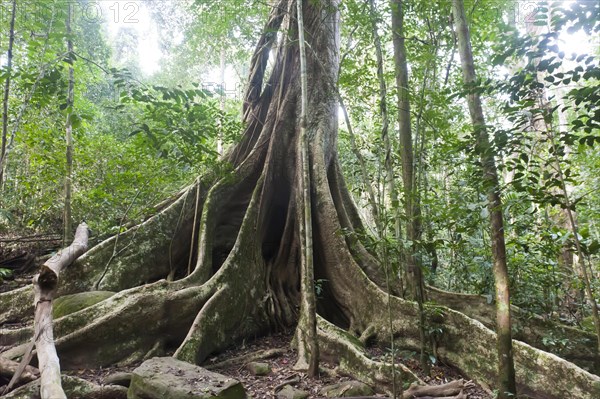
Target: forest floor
x,y
263,387
282,370
259,387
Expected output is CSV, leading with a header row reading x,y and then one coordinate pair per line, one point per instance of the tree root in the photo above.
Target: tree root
x,y
8,368
247,358
75,388
144,253
16,305
529,328
347,352
288,381
453,389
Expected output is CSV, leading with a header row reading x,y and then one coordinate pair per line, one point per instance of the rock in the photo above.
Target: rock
x,y
107,392
68,304
119,378
258,368
347,389
289,392
169,378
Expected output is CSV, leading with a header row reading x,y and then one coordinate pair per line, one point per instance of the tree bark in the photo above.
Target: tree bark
x,y
307,325
222,67
506,371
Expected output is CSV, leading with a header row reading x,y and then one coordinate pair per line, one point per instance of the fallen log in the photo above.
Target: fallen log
x,y
44,287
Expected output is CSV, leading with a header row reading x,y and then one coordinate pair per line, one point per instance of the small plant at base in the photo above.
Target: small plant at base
x,y
4,273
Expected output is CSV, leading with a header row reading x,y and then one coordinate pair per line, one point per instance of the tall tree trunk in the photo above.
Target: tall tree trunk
x,y
390,182
307,325
9,59
222,102
67,222
411,204
385,136
506,371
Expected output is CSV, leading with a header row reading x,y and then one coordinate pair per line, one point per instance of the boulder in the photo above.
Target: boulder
x,y
289,392
347,389
68,304
169,378
258,368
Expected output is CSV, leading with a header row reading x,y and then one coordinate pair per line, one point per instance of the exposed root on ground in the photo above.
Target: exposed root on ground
x,y
247,358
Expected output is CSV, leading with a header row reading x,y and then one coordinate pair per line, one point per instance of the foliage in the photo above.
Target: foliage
x,y
135,143
5,273
179,124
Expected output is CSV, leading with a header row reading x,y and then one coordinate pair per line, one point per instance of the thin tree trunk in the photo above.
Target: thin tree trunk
x,y
308,304
11,41
581,259
411,204
506,371
388,162
67,223
222,102
390,182
541,124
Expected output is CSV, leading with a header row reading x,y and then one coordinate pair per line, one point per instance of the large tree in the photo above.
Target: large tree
x,y
246,277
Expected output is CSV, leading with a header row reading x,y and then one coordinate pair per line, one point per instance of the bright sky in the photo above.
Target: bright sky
x,y
135,14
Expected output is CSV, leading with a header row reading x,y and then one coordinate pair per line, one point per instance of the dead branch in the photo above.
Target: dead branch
x,y
44,285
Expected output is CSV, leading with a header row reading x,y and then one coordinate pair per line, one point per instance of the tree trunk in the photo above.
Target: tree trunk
x,y
9,59
222,66
506,371
306,334
387,144
67,222
411,203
